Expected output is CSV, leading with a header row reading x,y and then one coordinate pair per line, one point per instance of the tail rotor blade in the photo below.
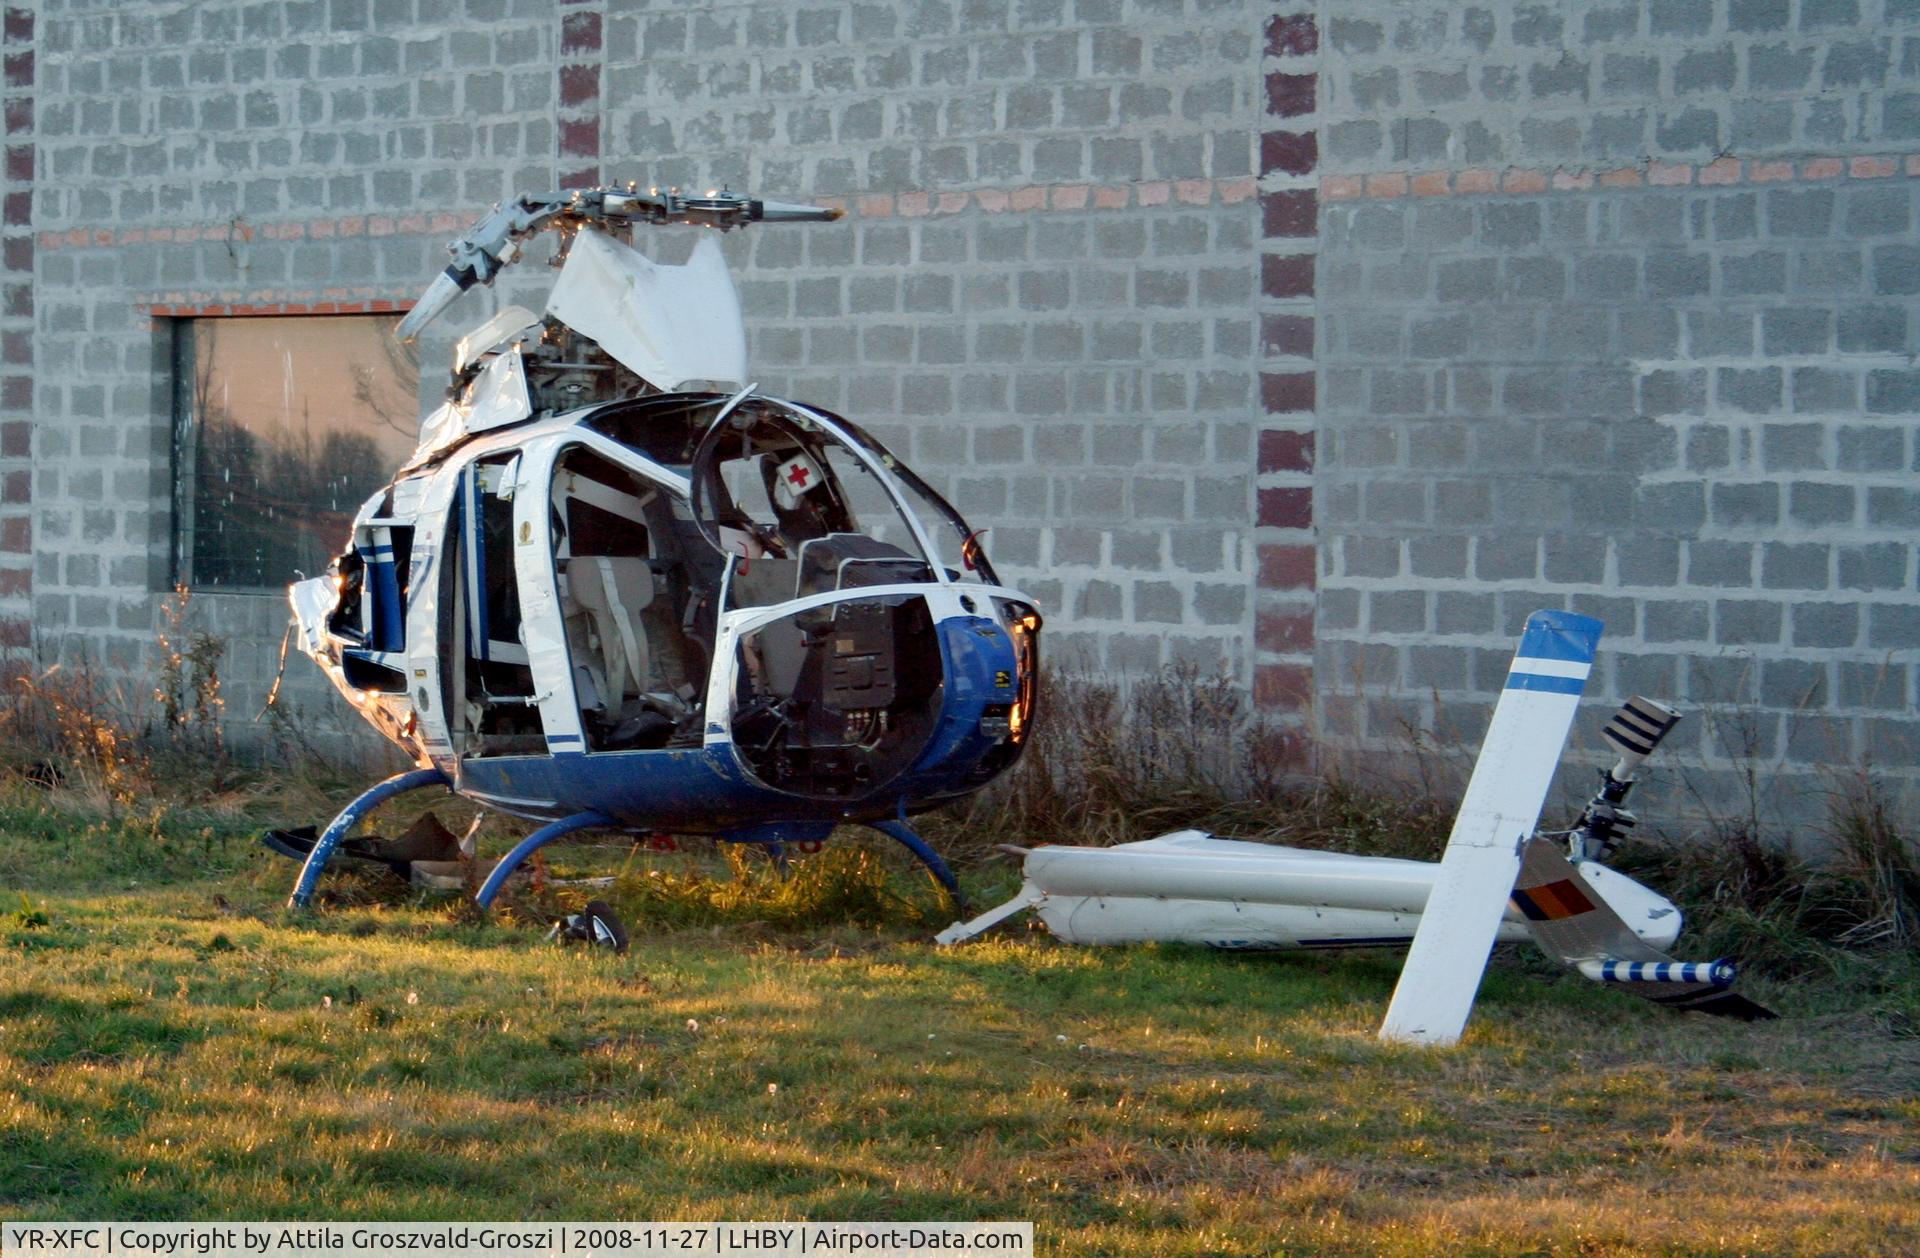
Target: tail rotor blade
x,y
1636,729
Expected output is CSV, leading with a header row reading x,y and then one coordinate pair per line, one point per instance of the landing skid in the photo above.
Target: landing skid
x,y
903,834
348,818
546,834
772,838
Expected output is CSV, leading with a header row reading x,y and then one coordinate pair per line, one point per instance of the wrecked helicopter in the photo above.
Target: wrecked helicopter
x,y
1499,879
616,587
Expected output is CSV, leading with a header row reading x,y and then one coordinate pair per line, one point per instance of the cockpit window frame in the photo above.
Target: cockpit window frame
x,y
866,443
888,471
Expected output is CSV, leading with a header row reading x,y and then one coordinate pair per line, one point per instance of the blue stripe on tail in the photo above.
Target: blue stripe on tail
x,y
1554,635
1552,685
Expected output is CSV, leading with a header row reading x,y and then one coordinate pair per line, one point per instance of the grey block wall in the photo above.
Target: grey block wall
x,y
1041,294
1315,348
1618,314
225,158
1076,375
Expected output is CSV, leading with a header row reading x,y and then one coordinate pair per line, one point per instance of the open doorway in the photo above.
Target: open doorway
x,y
635,608
493,709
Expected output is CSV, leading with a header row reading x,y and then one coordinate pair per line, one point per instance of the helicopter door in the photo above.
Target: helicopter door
x,y
372,612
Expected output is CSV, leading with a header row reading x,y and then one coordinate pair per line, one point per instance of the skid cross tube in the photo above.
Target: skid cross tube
x,y
372,798
589,820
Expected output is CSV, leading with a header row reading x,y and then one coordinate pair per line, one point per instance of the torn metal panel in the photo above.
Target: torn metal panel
x,y
509,324
673,326
499,395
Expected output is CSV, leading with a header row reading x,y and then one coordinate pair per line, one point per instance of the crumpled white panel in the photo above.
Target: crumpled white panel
x,y
499,394
313,601
670,325
439,428
510,322
497,397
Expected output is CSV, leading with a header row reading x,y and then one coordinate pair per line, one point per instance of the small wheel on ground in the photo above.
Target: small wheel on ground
x,y
600,926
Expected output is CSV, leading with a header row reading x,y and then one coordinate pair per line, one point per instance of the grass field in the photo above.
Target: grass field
x,y
173,1044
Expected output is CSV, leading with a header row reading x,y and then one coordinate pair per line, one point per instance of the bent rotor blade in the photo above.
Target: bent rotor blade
x,y
1496,818
438,297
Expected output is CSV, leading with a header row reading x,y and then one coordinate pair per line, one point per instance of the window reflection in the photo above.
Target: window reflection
x,y
285,426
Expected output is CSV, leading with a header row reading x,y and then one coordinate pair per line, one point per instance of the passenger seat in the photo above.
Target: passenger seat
x,y
613,590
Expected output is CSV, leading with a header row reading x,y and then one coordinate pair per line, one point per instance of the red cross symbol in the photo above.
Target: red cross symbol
x,y
800,475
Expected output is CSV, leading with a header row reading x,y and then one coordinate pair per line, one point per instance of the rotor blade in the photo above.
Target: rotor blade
x,y
438,295
787,212
1497,817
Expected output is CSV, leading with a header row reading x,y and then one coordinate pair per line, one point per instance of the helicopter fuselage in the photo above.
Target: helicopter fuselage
x,y
555,618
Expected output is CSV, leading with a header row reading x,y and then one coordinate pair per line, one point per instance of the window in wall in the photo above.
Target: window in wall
x,y
284,426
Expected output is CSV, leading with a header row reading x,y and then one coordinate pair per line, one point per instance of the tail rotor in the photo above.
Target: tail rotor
x,y
1635,730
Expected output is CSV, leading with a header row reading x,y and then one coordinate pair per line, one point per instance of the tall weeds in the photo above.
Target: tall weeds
x,y
61,730
188,691
1876,869
110,744
1844,913
1112,763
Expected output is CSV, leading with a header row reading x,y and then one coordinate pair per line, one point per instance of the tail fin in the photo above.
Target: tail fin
x,y
1497,818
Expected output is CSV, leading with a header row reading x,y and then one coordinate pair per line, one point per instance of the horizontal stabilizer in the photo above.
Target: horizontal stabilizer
x,y
1718,973
1582,932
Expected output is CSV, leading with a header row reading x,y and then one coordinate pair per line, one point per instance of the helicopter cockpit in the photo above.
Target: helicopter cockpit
x,y
701,567
793,575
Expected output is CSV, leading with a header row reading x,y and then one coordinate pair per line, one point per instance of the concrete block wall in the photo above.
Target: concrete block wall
x,y
228,159
1315,347
1617,313
17,74
1043,292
